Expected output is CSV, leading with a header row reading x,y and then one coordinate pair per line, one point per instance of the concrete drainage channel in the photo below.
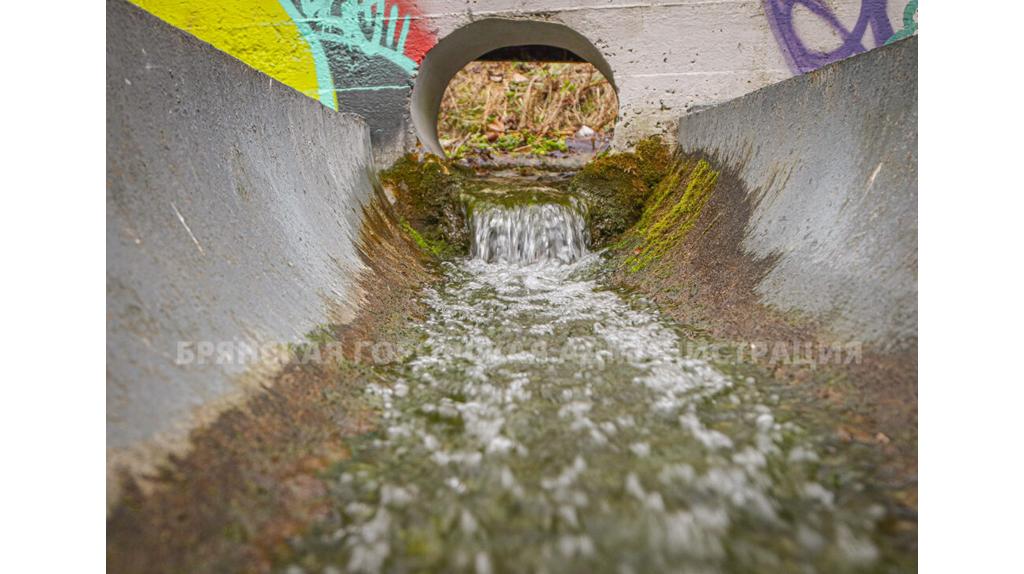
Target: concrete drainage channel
x,y
699,360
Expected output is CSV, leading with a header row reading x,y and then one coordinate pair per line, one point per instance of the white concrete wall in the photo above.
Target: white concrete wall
x,y
668,57
671,57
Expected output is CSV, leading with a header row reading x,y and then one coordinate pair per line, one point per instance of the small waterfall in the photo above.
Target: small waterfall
x,y
526,229
556,425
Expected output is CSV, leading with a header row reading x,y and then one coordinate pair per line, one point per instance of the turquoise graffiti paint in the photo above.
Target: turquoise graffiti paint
x,y
342,22
909,25
325,83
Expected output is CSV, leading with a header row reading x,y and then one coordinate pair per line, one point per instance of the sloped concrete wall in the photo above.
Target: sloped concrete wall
x,y
830,158
667,57
234,205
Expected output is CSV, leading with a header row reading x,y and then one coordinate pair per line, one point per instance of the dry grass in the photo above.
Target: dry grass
x,y
523,106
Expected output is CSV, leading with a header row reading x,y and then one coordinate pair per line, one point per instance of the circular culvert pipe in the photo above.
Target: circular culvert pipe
x,y
471,42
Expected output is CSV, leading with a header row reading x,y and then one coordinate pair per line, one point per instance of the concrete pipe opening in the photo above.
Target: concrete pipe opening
x,y
491,38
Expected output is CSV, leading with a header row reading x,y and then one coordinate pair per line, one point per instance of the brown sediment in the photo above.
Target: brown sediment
x,y
250,480
707,281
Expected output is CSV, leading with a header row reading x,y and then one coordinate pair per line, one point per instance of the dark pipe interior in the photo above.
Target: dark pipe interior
x,y
531,53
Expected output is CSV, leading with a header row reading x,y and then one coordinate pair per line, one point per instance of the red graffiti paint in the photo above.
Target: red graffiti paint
x,y
420,38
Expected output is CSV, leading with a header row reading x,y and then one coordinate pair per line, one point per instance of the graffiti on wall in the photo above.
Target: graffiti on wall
x,y
365,53
352,55
360,44
909,24
257,32
873,15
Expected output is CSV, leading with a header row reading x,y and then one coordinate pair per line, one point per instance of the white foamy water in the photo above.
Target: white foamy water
x,y
548,424
528,232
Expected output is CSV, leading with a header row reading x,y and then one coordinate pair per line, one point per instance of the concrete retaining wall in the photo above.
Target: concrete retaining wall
x,y
830,158
234,205
667,57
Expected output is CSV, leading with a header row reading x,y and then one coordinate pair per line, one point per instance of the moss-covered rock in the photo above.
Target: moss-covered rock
x,y
616,186
427,192
655,160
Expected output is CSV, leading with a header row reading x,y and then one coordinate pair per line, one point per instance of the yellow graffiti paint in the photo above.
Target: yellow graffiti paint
x,y
257,32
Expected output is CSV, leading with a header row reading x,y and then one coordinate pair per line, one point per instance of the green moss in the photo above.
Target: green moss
x,y
542,145
664,189
672,211
617,185
435,247
657,196
655,160
321,334
427,193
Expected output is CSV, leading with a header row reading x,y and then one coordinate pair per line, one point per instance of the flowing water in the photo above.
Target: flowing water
x,y
548,424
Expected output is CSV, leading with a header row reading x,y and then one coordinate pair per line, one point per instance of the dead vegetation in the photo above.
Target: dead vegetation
x,y
523,107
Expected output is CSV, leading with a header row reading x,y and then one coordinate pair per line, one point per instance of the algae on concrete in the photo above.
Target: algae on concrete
x,y
661,226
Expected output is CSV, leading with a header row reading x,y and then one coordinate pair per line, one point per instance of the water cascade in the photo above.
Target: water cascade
x,y
547,424
528,231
